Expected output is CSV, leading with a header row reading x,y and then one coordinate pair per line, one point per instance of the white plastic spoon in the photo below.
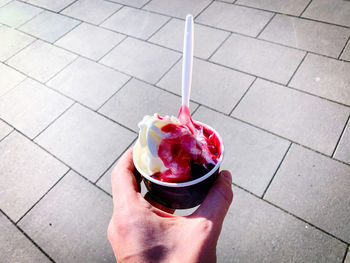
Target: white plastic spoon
x,y
187,62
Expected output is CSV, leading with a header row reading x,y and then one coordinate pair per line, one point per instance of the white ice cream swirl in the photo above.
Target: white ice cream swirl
x,y
146,147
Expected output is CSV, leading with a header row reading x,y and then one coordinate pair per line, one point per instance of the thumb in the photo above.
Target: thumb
x,y
218,199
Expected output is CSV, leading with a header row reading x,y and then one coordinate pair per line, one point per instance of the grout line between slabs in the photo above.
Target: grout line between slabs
x,y
2,139
66,33
68,170
17,27
27,236
54,120
5,4
340,136
58,72
295,71
166,72
203,10
20,50
265,26
15,86
110,166
306,7
278,167
110,51
126,82
241,98
67,6
221,44
346,252
155,32
35,5
108,17
145,4
291,214
196,109
342,51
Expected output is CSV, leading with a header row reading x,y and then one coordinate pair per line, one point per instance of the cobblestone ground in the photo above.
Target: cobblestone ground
x,y
273,77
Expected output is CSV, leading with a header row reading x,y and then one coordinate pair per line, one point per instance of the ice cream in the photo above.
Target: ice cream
x,y
175,150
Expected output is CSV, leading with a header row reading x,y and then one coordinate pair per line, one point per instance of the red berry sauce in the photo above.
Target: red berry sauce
x,y
188,152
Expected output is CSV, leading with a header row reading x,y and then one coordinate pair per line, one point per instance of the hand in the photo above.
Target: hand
x,y
140,232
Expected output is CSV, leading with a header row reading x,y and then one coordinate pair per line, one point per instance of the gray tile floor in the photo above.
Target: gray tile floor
x,y
273,77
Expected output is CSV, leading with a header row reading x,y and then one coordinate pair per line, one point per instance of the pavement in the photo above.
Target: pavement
x,y
272,77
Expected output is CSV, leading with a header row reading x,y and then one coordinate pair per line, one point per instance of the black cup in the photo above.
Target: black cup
x,y
182,195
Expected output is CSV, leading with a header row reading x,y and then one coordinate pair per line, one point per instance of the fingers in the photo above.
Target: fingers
x,y
157,205
124,184
218,200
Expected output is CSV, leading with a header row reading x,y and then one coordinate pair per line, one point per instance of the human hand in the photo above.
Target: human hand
x,y
141,232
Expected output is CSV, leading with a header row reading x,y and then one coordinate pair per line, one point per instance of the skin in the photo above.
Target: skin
x,y
141,230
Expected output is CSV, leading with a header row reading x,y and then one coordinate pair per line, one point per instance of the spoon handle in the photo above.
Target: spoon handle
x,y
187,61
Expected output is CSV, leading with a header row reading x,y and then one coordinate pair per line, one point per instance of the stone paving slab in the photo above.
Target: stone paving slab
x,y
343,150
90,41
88,82
4,129
323,182
86,141
74,228
30,172
129,105
12,41
235,18
94,12
15,247
49,26
346,53
141,59
261,58
52,5
336,11
179,8
255,231
9,78
206,39
251,155
41,60
135,22
17,13
292,7
35,108
308,35
325,77
222,87
303,118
